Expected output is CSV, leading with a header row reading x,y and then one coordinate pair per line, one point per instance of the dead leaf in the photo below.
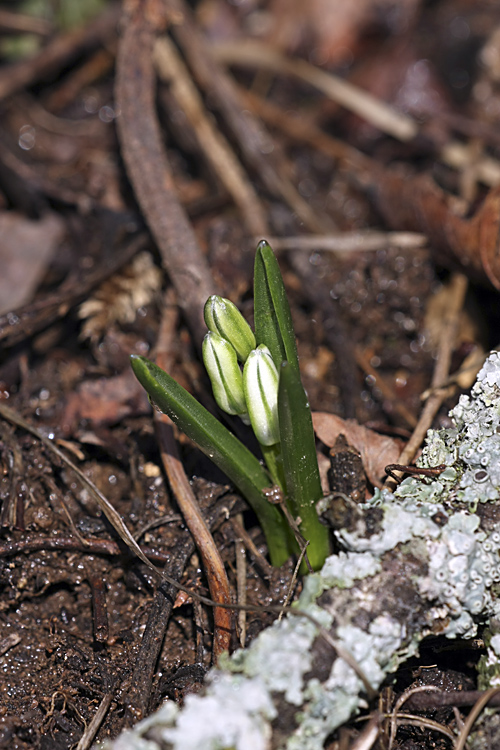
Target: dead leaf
x,y
26,249
416,203
334,29
377,451
105,401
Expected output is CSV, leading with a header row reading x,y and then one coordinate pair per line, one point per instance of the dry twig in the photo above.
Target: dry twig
x,y
212,562
447,339
215,147
58,52
362,103
147,164
256,145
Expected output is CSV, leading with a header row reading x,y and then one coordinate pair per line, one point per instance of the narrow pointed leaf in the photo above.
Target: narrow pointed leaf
x,y
220,445
300,463
272,317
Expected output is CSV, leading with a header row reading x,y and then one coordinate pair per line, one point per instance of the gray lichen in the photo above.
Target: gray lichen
x,y
428,563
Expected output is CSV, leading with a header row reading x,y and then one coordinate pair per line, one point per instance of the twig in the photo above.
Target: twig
x,y
148,167
159,613
212,562
31,182
36,316
42,117
215,147
58,52
476,710
291,587
247,540
350,242
400,702
447,339
275,496
301,129
411,720
453,698
99,608
24,23
70,544
91,730
365,105
368,736
256,144
96,66
241,583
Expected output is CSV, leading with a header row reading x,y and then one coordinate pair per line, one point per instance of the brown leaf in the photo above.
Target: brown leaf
x,y
105,401
376,450
416,203
333,29
26,250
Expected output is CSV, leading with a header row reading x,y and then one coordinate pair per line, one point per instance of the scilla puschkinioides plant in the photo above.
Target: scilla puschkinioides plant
x,y
266,393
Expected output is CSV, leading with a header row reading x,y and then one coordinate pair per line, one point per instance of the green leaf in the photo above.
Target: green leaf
x,y
272,317
300,463
220,445
274,328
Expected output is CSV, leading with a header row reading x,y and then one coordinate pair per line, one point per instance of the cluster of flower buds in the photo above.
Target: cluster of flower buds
x,y
253,393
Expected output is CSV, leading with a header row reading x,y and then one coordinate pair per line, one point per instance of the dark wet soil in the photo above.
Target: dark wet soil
x,y
74,602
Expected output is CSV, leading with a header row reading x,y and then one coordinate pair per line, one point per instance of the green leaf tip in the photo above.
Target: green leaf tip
x,y
273,319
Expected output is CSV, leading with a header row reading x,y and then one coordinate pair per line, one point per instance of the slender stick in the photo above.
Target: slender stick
x,y
212,561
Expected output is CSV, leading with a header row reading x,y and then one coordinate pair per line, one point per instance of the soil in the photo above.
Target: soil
x,y
74,601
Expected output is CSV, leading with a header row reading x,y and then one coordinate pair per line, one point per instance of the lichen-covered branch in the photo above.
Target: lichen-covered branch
x,y
423,560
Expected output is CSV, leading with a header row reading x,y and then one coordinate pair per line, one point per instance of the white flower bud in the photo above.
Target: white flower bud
x,y
223,317
225,374
260,383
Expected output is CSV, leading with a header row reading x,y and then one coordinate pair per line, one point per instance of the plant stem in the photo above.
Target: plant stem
x,y
274,462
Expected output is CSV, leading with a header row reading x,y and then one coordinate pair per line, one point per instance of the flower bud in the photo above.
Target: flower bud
x,y
225,374
260,383
223,317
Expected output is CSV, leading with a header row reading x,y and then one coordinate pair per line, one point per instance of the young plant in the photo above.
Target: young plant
x,y
268,394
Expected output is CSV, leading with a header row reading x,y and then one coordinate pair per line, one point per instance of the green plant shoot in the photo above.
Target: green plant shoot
x,y
274,328
221,446
268,394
